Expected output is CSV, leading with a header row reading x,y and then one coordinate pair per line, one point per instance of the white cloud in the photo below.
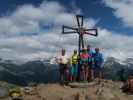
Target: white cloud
x,y
122,9
18,43
115,45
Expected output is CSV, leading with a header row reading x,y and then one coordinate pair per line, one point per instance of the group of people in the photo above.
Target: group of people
x,y
85,66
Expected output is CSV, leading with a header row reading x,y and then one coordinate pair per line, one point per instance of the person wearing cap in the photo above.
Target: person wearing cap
x,y
84,64
98,62
74,66
62,60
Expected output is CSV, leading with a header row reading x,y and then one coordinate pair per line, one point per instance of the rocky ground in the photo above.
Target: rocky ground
x,y
106,90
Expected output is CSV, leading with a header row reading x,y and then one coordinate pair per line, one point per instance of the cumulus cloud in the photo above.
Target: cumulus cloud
x,y
35,32
29,19
122,10
113,44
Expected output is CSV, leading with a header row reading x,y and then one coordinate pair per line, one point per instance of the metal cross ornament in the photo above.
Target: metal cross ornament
x,y
80,30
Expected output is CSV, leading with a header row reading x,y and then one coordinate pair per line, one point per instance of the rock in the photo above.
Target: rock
x,y
105,90
80,96
80,85
3,92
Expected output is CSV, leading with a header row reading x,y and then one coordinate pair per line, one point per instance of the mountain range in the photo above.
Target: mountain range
x,y
41,71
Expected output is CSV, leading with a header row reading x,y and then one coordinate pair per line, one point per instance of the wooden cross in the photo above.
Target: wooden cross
x,y
80,30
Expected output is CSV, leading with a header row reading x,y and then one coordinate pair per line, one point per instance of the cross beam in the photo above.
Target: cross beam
x,y
80,30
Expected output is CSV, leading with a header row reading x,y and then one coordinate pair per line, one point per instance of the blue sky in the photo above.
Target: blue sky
x,y
32,28
90,8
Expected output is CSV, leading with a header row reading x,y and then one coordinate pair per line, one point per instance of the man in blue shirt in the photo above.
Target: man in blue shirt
x,y
98,62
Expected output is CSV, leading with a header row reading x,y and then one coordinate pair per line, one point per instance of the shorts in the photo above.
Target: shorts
x,y
62,68
84,68
89,63
97,68
83,62
74,70
92,67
